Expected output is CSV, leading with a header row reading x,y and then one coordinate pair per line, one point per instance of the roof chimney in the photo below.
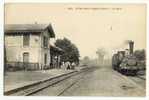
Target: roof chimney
x,y
131,46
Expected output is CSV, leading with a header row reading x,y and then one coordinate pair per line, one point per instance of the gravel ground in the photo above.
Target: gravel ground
x,y
105,82
102,82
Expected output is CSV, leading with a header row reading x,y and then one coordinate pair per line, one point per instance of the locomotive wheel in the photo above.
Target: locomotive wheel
x,y
123,71
134,72
129,72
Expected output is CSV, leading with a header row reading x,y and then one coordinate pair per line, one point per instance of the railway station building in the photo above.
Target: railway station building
x,y
27,46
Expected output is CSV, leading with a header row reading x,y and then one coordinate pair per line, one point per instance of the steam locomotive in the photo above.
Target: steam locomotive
x,y
125,62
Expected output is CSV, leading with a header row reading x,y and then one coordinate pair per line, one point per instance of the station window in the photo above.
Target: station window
x,y
45,41
26,57
26,39
45,58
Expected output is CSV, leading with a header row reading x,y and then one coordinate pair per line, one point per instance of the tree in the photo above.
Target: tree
x,y
71,52
86,60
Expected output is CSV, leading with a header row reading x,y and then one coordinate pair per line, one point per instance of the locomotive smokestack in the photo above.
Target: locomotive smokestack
x,y
131,46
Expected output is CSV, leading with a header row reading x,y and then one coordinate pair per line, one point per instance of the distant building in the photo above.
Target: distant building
x,y
28,44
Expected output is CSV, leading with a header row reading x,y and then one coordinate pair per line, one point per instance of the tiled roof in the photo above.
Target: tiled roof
x,y
11,28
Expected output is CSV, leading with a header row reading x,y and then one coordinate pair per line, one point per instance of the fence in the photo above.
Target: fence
x,y
15,66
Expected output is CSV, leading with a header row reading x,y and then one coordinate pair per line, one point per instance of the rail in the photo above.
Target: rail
x,y
38,86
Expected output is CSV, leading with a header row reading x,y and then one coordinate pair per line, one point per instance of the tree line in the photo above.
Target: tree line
x,y
70,51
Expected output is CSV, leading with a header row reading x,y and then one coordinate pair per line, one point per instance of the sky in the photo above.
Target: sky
x,y
88,26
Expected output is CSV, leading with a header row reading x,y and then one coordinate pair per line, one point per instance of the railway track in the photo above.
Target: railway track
x,y
67,86
70,85
34,88
77,79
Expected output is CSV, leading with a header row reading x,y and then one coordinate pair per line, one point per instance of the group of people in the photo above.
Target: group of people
x,y
68,65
